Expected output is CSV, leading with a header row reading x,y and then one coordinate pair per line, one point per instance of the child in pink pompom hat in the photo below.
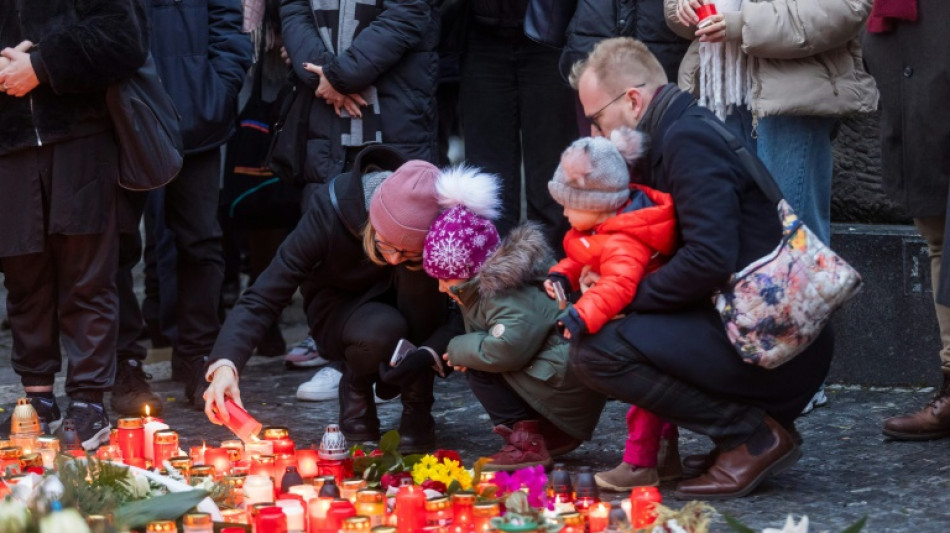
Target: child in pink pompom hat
x,y
513,358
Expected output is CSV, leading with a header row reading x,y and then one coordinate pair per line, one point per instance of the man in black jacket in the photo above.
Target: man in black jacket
x,y
58,176
202,56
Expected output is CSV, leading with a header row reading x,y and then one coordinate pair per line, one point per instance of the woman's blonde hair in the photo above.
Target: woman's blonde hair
x,y
372,252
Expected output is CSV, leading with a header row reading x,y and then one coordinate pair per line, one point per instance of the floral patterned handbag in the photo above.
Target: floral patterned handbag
x,y
777,305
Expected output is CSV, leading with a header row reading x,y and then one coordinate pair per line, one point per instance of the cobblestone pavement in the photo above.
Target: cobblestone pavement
x,y
848,469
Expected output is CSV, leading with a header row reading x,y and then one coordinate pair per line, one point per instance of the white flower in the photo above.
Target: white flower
x,y
790,526
137,484
65,520
13,516
52,488
671,525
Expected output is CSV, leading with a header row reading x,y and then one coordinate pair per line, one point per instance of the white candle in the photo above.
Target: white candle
x,y
294,512
307,492
258,489
151,426
257,449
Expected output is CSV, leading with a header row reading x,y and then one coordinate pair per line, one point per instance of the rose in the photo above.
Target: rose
x,y
440,455
394,479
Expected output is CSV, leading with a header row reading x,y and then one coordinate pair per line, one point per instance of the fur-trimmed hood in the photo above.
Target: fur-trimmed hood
x,y
522,256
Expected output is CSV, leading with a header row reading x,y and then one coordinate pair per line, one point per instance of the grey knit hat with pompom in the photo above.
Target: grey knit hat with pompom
x,y
593,173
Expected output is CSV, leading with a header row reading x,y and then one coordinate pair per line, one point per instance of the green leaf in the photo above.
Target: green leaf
x,y
389,443
857,526
169,506
736,525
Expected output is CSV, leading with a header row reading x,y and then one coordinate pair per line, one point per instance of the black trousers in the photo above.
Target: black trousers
x,y
517,110
66,294
190,208
609,364
501,402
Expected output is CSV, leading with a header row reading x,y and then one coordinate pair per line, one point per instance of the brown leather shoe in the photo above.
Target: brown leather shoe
x,y
737,472
697,464
931,422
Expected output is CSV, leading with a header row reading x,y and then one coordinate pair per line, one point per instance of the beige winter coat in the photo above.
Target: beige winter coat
x,y
805,56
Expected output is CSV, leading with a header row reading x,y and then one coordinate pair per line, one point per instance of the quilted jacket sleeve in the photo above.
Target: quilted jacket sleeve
x,y
792,29
570,269
623,264
400,27
512,339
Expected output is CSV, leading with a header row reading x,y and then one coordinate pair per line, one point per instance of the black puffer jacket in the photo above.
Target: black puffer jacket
x,y
393,49
644,20
499,13
82,48
202,56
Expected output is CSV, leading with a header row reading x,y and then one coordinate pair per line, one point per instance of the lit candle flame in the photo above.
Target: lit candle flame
x,y
148,411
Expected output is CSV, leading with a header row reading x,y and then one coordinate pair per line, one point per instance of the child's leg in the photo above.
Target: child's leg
x,y
643,437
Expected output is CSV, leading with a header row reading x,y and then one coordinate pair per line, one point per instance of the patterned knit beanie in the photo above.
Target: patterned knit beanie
x,y
593,174
463,236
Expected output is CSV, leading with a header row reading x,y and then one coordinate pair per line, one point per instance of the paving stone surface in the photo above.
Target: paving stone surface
x,y
848,470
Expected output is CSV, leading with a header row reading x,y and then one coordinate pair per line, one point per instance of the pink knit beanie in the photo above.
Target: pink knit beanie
x,y
405,204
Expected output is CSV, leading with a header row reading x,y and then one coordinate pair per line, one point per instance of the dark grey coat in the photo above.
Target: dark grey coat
x,y
912,69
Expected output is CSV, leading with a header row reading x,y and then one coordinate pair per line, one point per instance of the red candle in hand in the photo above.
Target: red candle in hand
x,y
240,422
703,12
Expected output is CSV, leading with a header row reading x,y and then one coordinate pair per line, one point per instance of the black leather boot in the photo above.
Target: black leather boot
x,y
417,427
358,420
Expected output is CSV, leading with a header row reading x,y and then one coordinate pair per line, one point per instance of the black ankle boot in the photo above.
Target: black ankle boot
x,y
416,426
358,420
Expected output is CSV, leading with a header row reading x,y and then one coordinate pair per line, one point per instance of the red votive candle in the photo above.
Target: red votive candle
x,y
597,517
166,446
131,437
410,509
220,459
704,12
240,422
643,502
306,463
271,520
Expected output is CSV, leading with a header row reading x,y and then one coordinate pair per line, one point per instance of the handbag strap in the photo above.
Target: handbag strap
x,y
763,178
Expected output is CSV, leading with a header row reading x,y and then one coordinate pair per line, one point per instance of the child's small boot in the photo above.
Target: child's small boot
x,y
668,458
524,446
625,476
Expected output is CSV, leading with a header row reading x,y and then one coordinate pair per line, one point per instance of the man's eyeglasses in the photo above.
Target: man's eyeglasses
x,y
593,116
388,249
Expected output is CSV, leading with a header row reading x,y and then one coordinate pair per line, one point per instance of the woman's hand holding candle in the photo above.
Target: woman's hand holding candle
x,y
224,383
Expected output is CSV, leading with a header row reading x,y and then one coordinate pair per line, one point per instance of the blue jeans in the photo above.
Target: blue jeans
x,y
797,151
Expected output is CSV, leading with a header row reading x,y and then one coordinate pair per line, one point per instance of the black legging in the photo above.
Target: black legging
x,y
370,335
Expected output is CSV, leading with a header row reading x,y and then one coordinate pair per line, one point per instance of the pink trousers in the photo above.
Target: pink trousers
x,y
644,431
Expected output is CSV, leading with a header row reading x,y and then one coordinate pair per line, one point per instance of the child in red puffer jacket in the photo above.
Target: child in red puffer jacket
x,y
619,233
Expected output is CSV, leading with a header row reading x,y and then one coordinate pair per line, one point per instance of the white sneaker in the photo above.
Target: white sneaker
x,y
818,400
304,355
324,385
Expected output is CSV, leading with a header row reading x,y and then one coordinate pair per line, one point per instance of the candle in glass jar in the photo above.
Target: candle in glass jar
x,y
482,513
234,516
339,511
372,504
349,487
643,501
317,509
166,446
573,522
438,512
410,509
293,510
10,460
258,489
131,437
271,520
109,452
306,492
258,448
263,465
183,464
462,503
48,448
197,454
197,523
220,459
234,444
306,463
597,517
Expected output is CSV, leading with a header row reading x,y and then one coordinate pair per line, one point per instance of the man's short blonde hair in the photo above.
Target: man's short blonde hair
x,y
619,63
